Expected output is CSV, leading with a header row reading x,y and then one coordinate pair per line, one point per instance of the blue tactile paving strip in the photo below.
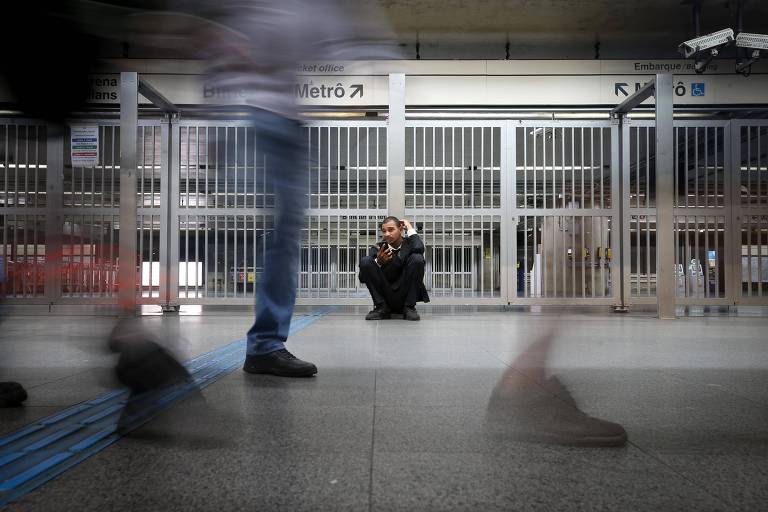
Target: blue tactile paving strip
x,y
37,453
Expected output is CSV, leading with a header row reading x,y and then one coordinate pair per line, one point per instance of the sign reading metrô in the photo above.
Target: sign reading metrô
x,y
339,91
84,146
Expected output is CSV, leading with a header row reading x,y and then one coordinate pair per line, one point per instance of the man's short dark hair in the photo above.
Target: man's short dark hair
x,y
390,219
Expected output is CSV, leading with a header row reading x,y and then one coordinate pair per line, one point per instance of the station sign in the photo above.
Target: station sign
x,y
508,83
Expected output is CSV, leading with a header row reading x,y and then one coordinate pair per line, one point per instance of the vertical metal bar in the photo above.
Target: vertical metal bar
x,y
647,203
697,255
696,160
760,245
535,172
637,163
648,266
564,253
245,248
544,180
603,252
197,170
5,188
142,161
216,255
687,257
433,168
759,179
573,170
526,287
563,203
226,255
602,164
328,169
592,168
206,189
348,165
678,256
705,265
748,229
16,171
525,167
676,186
216,170
574,254
472,173
444,201
85,291
687,177
9,290
21,249
717,254
482,169
706,166
582,201
638,248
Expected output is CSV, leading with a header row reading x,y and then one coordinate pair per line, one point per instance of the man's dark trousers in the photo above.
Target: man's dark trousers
x,y
403,290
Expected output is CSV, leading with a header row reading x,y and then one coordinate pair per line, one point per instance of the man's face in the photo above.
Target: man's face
x,y
391,232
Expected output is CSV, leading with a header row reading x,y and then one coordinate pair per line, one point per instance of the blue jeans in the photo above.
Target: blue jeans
x,y
282,142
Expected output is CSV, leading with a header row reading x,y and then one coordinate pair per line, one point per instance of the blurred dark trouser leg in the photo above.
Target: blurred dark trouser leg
x,y
281,142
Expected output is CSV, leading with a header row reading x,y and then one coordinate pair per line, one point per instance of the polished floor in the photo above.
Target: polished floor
x,y
395,418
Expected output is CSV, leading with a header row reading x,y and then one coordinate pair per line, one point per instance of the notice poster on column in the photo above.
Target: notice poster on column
x,y
84,142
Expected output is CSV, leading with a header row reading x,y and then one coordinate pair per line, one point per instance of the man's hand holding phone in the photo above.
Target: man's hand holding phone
x,y
384,255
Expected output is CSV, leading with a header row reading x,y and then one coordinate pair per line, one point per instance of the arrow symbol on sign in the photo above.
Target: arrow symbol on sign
x,y
619,87
357,90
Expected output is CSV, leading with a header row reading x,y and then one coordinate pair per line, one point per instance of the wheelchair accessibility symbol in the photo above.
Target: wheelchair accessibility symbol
x,y
697,89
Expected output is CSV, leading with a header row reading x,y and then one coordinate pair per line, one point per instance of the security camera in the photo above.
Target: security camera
x,y
708,42
754,41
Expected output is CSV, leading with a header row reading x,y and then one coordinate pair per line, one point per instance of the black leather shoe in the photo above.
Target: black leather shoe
x,y
379,313
280,362
410,313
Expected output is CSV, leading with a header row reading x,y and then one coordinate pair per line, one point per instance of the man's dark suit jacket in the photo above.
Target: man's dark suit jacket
x,y
393,270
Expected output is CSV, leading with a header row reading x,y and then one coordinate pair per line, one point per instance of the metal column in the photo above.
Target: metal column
x,y
54,218
620,265
665,234
129,117
396,145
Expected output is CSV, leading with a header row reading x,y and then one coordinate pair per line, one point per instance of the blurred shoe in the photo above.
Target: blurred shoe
x,y
146,369
379,313
410,313
281,363
12,394
534,415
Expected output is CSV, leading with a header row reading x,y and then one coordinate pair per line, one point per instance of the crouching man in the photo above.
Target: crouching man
x,y
393,271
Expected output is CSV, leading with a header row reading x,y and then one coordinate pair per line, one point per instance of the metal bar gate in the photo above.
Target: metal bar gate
x,y
511,211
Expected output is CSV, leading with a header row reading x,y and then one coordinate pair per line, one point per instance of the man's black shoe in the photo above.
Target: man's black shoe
x,y
280,362
410,313
379,313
